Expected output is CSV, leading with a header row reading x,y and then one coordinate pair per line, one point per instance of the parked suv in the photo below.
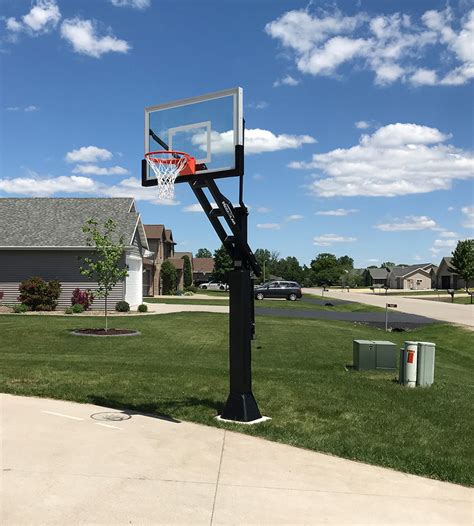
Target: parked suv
x,y
278,289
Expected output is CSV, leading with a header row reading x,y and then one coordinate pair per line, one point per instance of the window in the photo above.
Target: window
x,y
275,285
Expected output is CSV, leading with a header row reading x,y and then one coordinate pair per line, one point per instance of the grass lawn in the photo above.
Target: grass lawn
x,y
274,304
460,300
178,367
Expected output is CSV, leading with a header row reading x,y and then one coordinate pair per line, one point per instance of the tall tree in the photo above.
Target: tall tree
x,y
222,265
325,269
105,266
289,268
268,261
203,253
463,261
388,265
169,277
345,263
187,271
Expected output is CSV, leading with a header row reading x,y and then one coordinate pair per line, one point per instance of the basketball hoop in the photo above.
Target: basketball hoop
x,y
166,166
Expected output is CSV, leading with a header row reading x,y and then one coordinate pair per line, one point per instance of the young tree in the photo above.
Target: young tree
x,y
106,265
463,261
203,253
187,272
268,262
222,265
169,277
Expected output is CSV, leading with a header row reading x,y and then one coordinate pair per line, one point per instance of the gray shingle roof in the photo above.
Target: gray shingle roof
x,y
58,222
403,271
378,273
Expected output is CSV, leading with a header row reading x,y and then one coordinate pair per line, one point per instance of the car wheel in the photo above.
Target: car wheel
x,y
204,287
292,297
222,287
260,296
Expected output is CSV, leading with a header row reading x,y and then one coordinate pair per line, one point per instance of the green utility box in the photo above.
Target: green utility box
x,y
425,364
385,355
368,355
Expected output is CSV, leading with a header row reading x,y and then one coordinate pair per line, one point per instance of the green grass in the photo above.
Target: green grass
x,y
178,367
460,300
273,304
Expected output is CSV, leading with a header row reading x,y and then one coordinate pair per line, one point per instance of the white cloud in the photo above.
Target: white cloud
x,y
269,226
408,223
263,210
339,212
373,260
451,208
295,217
92,169
12,108
327,240
88,154
83,36
137,4
443,245
391,46
447,233
398,159
468,212
31,108
37,186
362,125
256,141
42,18
196,207
288,80
258,177
259,105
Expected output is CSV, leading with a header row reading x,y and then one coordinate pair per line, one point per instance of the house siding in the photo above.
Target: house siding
x,y
63,265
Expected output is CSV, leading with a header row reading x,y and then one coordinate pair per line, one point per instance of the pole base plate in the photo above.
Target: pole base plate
x,y
241,407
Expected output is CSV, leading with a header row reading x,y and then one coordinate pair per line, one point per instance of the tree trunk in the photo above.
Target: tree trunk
x,y
106,321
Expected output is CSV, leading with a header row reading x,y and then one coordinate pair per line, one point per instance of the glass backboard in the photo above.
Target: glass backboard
x,y
208,128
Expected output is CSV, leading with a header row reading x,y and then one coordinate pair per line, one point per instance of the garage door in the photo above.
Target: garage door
x,y
133,283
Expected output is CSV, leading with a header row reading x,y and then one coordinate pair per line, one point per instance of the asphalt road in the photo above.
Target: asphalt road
x,y
396,320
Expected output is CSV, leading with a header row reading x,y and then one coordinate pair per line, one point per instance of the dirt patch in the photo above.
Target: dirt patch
x,y
5,310
104,333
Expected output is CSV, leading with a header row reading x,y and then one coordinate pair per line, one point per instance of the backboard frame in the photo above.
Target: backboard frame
x,y
238,168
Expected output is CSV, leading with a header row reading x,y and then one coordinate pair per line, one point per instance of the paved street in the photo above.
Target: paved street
x,y
66,463
450,312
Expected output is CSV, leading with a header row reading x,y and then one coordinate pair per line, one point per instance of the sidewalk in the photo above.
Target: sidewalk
x,y
450,312
60,466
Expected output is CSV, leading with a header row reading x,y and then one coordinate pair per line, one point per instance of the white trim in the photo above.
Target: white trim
x,y
205,124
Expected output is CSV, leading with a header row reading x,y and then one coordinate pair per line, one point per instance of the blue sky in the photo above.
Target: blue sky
x,y
359,115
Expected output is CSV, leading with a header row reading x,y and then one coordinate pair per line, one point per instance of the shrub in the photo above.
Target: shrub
x,y
191,288
188,293
178,293
77,308
122,306
19,309
69,311
82,297
143,308
38,294
169,277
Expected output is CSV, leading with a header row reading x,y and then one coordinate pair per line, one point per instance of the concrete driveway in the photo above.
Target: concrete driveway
x,y
450,312
65,463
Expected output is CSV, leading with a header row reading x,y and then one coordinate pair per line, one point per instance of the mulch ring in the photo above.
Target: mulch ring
x,y
104,333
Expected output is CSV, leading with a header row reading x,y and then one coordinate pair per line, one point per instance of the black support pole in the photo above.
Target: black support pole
x,y
241,404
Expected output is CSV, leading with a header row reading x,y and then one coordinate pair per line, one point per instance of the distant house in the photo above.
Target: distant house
x,y
202,270
375,277
412,277
43,237
446,278
160,241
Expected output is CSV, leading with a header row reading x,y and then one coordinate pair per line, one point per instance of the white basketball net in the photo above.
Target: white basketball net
x,y
166,166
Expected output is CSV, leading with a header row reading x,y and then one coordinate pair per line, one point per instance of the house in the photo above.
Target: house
x,y
375,277
446,278
43,237
412,277
161,243
202,270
